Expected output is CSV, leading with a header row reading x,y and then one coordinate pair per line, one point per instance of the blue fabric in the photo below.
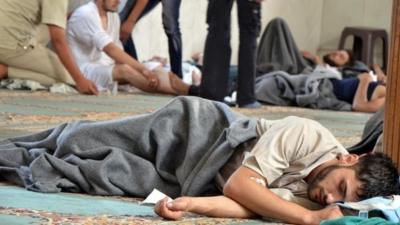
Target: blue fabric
x,y
345,89
353,220
389,206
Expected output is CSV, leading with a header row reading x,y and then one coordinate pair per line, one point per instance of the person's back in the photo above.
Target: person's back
x,y
20,18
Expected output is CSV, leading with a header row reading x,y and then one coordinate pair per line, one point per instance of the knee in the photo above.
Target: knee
x,y
277,21
122,71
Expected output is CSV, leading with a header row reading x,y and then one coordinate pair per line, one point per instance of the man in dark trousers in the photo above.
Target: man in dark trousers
x,y
217,51
134,10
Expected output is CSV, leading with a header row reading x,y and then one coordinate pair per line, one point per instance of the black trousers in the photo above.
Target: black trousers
x,y
217,52
170,18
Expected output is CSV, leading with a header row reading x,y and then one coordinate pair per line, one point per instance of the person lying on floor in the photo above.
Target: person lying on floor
x,y
278,51
22,57
363,92
93,34
191,74
360,93
284,169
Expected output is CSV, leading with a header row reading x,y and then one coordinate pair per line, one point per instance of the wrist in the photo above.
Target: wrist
x,y
79,78
190,203
130,23
310,217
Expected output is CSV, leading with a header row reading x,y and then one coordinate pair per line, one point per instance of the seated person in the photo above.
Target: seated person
x,y
93,34
285,169
21,57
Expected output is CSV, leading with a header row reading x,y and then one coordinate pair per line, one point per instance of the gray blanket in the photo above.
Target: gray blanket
x,y
177,149
278,50
305,90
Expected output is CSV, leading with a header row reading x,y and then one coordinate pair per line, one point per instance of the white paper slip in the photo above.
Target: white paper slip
x,y
154,197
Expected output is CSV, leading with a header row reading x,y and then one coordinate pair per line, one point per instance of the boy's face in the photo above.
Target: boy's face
x,y
339,57
334,184
111,5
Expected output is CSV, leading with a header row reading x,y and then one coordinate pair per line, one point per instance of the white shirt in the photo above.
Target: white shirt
x,y
287,151
87,38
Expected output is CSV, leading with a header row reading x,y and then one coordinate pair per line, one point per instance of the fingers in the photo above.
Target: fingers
x,y
179,204
158,208
334,212
93,89
162,210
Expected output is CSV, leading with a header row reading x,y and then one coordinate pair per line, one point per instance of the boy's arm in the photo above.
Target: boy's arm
x,y
127,26
217,206
360,101
315,58
63,51
244,198
121,57
242,188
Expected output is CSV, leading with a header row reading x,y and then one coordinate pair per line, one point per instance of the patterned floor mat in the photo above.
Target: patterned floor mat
x,y
23,112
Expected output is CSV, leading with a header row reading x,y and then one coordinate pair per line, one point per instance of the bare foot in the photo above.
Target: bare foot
x,y
3,71
177,84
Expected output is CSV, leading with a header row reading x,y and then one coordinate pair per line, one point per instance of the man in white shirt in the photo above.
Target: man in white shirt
x,y
24,56
93,34
294,161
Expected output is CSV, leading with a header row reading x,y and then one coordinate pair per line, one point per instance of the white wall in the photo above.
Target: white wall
x,y
341,13
303,17
316,24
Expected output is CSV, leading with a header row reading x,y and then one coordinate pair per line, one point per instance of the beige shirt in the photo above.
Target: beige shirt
x,y
19,20
287,151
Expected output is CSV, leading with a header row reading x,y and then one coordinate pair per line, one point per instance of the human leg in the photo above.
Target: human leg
x,y
170,16
249,25
36,63
217,51
168,82
278,50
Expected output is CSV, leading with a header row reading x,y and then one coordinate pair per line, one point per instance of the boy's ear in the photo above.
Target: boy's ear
x,y
349,159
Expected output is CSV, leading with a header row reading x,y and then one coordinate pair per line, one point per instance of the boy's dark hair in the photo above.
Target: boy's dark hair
x,y
378,175
349,63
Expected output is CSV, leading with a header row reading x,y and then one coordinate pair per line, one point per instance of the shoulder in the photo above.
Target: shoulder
x,y
85,12
295,121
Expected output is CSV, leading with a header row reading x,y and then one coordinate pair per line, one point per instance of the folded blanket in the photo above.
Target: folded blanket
x,y
177,149
312,90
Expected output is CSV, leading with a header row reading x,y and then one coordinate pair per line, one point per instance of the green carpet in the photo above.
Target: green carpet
x,y
23,112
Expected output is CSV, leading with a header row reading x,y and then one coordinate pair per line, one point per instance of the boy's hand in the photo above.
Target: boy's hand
x,y
328,213
85,86
365,77
172,210
126,31
152,78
